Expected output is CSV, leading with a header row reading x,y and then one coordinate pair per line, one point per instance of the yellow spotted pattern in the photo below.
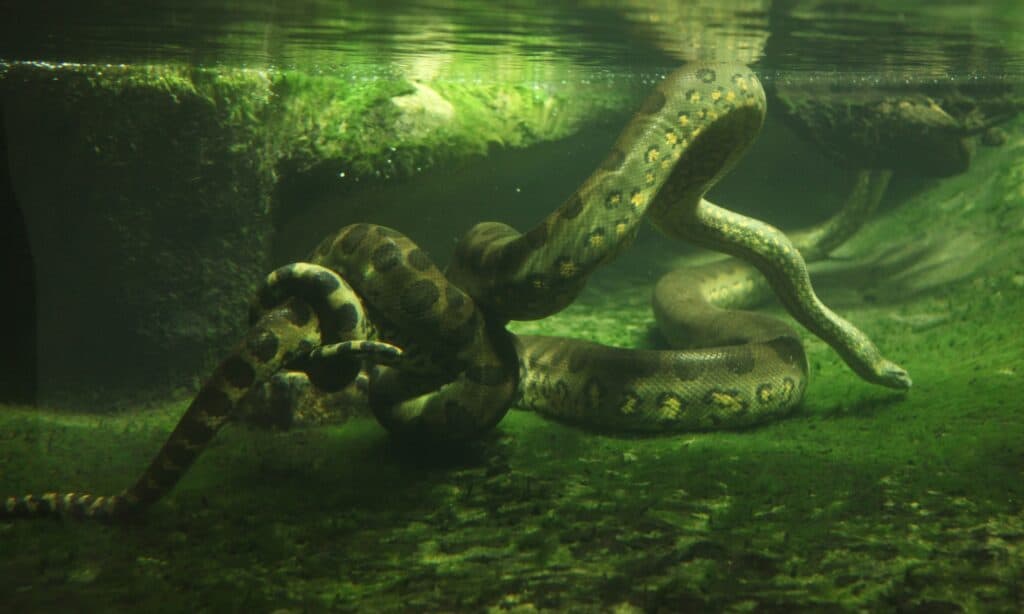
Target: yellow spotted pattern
x,y
568,269
670,408
726,400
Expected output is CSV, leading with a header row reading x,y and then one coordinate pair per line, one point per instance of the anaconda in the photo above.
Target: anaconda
x,y
439,361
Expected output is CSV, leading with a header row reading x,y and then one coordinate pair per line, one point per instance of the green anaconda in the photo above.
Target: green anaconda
x,y
439,360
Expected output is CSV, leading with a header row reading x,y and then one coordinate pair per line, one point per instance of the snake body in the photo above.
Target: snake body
x,y
440,362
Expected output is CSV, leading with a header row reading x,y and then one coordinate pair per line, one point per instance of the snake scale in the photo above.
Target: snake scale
x,y
439,362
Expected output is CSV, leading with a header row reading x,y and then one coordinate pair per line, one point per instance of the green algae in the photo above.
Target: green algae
x,y
375,124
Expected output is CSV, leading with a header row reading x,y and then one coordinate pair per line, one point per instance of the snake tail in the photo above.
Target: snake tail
x,y
280,336
817,242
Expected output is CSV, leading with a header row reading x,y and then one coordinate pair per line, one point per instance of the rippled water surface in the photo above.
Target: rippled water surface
x,y
919,37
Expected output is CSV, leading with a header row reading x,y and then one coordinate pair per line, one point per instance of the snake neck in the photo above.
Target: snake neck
x,y
689,131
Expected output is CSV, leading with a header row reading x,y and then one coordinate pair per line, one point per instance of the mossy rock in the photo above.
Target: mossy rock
x,y
924,130
150,196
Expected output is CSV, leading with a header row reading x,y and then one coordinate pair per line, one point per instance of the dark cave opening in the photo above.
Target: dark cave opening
x,y
18,366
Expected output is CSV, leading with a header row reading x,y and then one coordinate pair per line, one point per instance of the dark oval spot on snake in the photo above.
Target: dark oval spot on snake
x,y
263,346
706,75
347,317
354,237
194,430
419,260
386,257
238,372
740,361
653,103
180,454
326,280
536,236
573,207
213,402
419,296
614,160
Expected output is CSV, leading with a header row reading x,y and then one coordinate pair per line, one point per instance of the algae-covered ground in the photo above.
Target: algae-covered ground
x,y
864,499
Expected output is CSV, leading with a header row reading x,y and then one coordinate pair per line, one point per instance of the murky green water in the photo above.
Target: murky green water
x,y
158,162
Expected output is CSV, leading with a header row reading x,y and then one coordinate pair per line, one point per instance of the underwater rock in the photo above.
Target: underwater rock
x,y
903,133
145,194
919,130
151,194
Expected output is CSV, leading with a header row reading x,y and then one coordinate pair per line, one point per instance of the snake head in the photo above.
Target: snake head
x,y
892,375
